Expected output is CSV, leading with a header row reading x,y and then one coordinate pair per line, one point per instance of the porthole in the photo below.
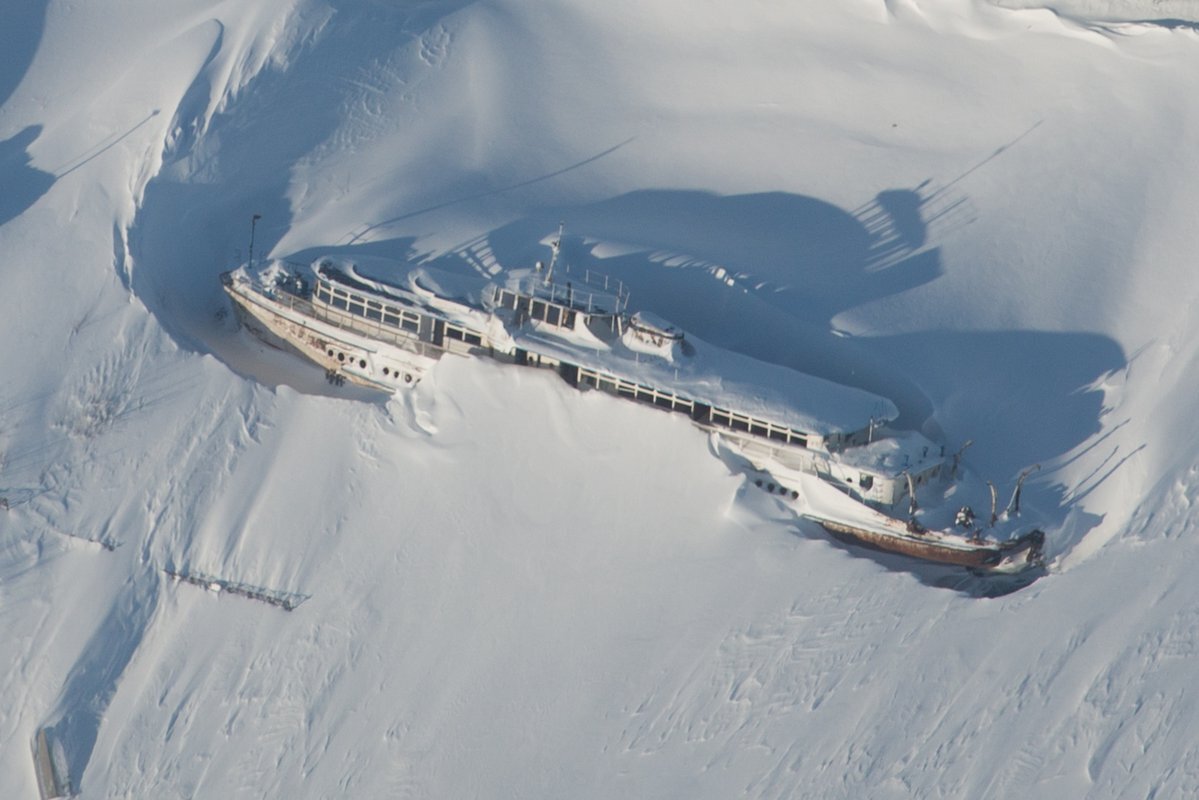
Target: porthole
x,y
330,351
362,363
407,378
341,356
386,371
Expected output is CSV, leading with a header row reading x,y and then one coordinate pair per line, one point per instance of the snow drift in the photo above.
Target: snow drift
x,y
985,214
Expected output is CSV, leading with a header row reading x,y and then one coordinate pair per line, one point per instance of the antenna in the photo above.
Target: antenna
x,y
253,224
555,247
994,499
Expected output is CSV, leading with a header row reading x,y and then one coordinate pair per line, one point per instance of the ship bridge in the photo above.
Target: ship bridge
x,y
537,295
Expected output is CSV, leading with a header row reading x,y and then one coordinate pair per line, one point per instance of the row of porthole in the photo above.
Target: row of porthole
x,y
342,357
387,372
770,487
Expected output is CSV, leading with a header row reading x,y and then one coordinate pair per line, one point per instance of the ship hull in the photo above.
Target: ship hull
x,y
1013,555
289,322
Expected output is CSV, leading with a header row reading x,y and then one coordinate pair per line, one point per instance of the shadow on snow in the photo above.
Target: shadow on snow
x,y
20,35
23,184
763,274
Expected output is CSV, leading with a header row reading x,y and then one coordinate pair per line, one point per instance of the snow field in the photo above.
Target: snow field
x,y
517,589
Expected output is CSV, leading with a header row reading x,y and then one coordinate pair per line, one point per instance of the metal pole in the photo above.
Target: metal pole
x,y
253,224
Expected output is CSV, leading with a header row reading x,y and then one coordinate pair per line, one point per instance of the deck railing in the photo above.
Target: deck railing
x,y
589,291
346,321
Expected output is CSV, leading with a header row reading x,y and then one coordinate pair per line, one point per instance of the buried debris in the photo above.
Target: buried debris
x,y
285,600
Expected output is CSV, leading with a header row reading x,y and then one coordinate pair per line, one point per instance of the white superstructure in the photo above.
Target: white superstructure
x,y
386,334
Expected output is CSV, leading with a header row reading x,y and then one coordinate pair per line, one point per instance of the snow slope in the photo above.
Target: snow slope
x,y
510,588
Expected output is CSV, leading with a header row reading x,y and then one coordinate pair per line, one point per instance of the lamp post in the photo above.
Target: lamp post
x,y
253,224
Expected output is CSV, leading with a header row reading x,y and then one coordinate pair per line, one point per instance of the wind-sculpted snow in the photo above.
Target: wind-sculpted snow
x,y
511,588
1169,13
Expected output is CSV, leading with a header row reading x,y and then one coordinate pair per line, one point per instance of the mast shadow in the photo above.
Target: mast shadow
x,y
23,183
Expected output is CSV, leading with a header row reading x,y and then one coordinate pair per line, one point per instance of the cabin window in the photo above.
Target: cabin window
x,y
538,311
664,400
720,417
471,338
410,323
758,429
682,405
339,302
627,389
357,310
374,313
740,424
554,315
777,435
568,319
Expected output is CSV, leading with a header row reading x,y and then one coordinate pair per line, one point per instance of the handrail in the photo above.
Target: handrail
x,y
346,321
602,286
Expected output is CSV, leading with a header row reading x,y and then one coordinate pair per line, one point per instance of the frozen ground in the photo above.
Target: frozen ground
x,y
509,588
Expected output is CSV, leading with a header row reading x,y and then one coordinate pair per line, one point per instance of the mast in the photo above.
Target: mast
x,y
912,505
253,224
555,247
1013,506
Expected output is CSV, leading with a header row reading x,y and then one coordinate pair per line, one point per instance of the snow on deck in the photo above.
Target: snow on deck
x,y
731,381
701,372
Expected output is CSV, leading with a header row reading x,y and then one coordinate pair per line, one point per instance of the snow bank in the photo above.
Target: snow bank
x,y
517,589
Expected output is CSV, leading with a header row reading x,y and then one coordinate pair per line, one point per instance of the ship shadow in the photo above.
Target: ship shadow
x,y
767,274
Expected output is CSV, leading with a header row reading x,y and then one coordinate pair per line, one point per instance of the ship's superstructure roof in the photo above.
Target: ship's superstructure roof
x,y
690,368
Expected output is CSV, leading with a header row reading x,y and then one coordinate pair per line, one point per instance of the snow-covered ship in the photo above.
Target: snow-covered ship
x,y
824,448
